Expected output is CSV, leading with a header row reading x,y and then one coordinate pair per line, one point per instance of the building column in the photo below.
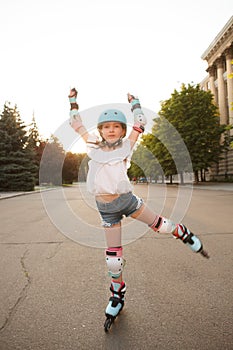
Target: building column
x,y
211,71
229,58
221,92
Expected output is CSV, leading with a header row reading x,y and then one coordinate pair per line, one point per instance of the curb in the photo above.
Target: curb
x,y
6,195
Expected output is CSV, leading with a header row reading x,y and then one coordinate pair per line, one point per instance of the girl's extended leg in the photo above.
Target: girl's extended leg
x,y
115,263
145,215
163,225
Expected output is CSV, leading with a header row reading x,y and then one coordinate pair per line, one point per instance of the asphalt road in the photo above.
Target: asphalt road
x,y
53,289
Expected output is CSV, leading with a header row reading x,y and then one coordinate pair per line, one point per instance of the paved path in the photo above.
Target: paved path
x,y
53,291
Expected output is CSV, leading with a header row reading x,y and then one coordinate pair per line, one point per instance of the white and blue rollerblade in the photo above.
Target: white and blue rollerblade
x,y
116,303
192,241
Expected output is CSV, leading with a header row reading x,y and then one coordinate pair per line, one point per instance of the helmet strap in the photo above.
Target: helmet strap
x,y
112,144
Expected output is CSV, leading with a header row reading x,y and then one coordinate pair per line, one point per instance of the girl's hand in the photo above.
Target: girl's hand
x,y
73,93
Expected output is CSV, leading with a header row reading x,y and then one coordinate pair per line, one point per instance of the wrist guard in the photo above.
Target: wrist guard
x,y
138,127
139,117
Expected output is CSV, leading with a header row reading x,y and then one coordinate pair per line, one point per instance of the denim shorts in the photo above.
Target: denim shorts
x,y
125,205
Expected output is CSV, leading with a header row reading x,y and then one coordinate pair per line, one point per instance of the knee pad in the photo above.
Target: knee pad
x,y
115,261
163,225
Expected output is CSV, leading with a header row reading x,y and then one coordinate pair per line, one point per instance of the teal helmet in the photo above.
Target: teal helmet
x,y
112,115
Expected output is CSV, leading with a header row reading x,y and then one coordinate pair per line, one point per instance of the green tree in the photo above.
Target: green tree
x,y
162,144
74,167
137,165
83,160
144,164
70,168
34,143
16,159
51,163
193,114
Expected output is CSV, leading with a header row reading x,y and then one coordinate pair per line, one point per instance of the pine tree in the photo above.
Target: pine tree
x,y
16,159
35,144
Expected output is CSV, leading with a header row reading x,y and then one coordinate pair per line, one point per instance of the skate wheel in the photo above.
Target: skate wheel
x,y
204,253
107,324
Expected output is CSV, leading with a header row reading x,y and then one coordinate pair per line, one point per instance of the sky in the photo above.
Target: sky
x,y
105,49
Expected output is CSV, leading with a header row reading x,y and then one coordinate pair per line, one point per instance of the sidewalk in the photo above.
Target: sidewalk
x,y
221,186
6,195
201,186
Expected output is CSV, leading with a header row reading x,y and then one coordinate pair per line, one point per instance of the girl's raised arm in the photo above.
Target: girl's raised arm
x,y
139,119
75,119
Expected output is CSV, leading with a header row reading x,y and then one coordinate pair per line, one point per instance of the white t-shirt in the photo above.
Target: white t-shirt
x,y
108,170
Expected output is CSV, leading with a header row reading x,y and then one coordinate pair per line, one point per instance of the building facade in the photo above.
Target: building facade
x,y
219,56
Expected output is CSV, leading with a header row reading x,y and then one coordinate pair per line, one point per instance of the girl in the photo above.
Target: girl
x,y
107,179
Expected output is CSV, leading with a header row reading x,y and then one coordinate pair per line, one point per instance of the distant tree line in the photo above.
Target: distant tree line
x,y
21,153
